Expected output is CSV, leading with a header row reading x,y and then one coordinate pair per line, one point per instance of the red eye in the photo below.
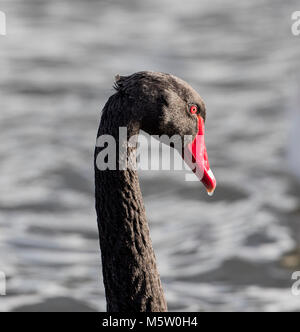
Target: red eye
x,y
193,109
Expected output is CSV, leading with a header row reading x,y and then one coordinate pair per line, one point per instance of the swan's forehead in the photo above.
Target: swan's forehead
x,y
186,91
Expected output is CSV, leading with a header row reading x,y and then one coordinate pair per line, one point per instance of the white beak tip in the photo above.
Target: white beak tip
x,y
211,193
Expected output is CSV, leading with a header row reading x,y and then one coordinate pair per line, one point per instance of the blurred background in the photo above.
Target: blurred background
x,y
233,252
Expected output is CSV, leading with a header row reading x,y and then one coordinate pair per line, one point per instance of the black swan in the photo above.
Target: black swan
x,y
159,104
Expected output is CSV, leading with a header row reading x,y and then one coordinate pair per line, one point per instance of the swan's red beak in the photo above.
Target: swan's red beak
x,y
195,155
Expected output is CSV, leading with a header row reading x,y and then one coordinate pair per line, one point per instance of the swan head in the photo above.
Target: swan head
x,y
166,106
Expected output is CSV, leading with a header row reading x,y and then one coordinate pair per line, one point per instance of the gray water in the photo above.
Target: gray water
x,y
235,251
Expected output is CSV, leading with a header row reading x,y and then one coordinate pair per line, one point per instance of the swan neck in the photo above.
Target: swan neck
x,y
130,274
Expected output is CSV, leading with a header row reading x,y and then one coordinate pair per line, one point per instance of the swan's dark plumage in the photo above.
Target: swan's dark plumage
x,y
157,103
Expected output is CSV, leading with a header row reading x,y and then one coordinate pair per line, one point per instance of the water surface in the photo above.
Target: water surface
x,y
236,251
